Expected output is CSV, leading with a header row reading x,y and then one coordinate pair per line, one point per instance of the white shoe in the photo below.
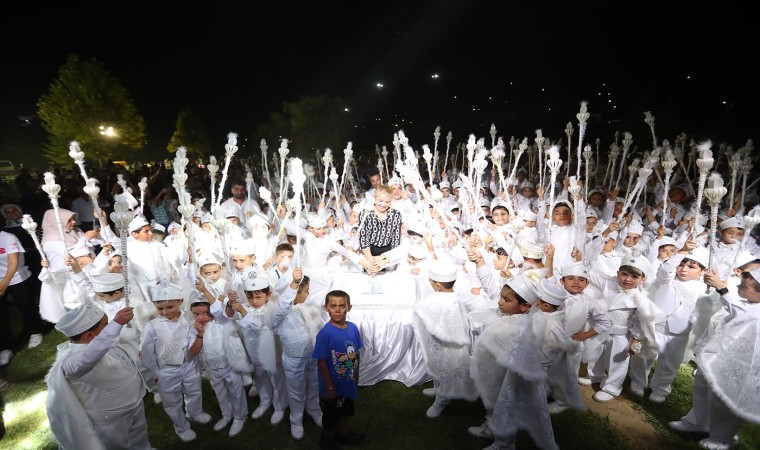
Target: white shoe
x,y
222,424
638,391
557,407
259,412
156,398
35,340
584,381
482,431
602,397
5,357
428,392
656,398
237,427
716,444
296,431
187,435
201,418
253,392
277,417
435,410
317,420
683,427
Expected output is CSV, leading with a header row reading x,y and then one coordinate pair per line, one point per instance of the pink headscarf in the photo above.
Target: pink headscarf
x,y
50,227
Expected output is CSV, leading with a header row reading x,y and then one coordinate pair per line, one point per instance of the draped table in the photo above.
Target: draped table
x,y
382,306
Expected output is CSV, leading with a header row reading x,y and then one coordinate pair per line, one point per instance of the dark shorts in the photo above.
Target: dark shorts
x,y
334,409
377,251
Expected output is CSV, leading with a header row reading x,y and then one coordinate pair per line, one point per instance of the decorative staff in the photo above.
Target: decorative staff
x,y
264,162
384,153
632,170
668,164
746,169
480,165
91,188
569,132
379,168
471,145
587,153
574,190
449,137
52,190
143,185
493,135
582,118
297,178
611,161
427,156
30,226
627,141
327,160
213,168
348,154
436,137
497,155
596,160
266,195
121,217
715,192
704,163
539,140
554,164
649,119
229,149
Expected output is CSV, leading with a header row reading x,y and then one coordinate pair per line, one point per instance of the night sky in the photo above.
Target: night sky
x,y
520,67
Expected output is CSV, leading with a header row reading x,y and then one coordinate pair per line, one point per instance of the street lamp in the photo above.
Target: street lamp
x,y
107,131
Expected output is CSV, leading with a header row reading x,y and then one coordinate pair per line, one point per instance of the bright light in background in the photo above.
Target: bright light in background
x,y
379,85
345,109
434,76
107,131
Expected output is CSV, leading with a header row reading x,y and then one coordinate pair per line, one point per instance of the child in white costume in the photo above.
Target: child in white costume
x,y
678,286
297,325
165,350
440,324
253,319
507,373
724,393
95,392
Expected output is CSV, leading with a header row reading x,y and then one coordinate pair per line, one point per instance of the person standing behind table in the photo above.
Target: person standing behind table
x,y
16,281
380,229
95,392
337,351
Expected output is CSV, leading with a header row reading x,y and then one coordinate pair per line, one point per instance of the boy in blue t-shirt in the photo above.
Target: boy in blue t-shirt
x,y
337,354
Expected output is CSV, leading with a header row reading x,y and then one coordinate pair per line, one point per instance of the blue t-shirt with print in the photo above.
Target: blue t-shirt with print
x,y
340,348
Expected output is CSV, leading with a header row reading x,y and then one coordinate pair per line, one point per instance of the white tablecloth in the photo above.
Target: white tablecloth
x,y
382,309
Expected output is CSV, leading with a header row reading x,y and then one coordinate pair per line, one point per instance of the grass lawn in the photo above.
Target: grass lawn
x,y
390,414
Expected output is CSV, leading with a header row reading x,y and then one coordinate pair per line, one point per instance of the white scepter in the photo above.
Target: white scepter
x,y
587,153
715,192
297,177
480,165
518,223
539,140
248,180
309,171
582,118
644,173
52,190
649,119
213,168
436,137
121,217
750,221
611,161
493,134
222,225
596,161
569,132
471,146
746,169
334,182
143,185
384,153
633,169
497,156
627,141
348,153
266,195
90,187
449,137
704,163
427,156
668,164
30,226
229,149
554,164
574,190
265,165
327,162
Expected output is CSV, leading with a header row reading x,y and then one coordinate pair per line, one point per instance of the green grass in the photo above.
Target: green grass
x,y
390,414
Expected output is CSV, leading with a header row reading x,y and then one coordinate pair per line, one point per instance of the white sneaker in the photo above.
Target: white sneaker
x,y
584,381
5,357
317,420
259,412
35,340
684,427
428,392
277,417
602,397
201,418
557,407
656,398
222,424
435,410
482,431
296,431
156,398
253,392
237,427
716,444
187,435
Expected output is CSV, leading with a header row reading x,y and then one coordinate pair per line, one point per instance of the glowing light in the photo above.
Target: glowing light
x,y
434,76
107,131
379,85
345,109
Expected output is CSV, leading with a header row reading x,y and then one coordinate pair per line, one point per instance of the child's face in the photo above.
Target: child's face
x,y
353,216
114,264
590,224
206,227
337,308
628,280
749,288
84,260
631,239
202,314
240,262
169,309
303,294
257,298
318,231
530,223
211,272
732,234
665,251
562,215
508,303
545,307
259,230
331,222
596,199
574,284
609,245
234,220
284,259
500,216
412,260
688,270
108,298
500,262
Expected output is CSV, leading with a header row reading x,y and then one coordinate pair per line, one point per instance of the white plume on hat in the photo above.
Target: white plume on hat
x,y
165,290
442,271
80,319
107,282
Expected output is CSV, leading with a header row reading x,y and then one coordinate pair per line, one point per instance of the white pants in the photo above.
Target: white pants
x,y
303,387
272,389
672,349
230,393
614,360
178,383
128,432
709,413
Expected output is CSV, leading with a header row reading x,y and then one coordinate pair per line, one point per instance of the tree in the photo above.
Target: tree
x,y
88,105
191,133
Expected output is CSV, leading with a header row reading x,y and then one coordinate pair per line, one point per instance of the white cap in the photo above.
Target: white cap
x,y
457,184
107,282
206,218
258,219
733,222
357,208
524,287
317,220
700,255
253,281
442,271
530,249
417,227
137,223
613,235
394,181
245,247
80,319
529,215
444,184
198,213
745,257
208,259
577,269
755,274
172,226
635,227
639,262
418,251
667,240
485,202
165,290
551,292
591,212
79,249
527,184
157,226
232,211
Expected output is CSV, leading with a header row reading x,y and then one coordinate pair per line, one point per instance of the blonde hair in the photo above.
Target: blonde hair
x,y
384,190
